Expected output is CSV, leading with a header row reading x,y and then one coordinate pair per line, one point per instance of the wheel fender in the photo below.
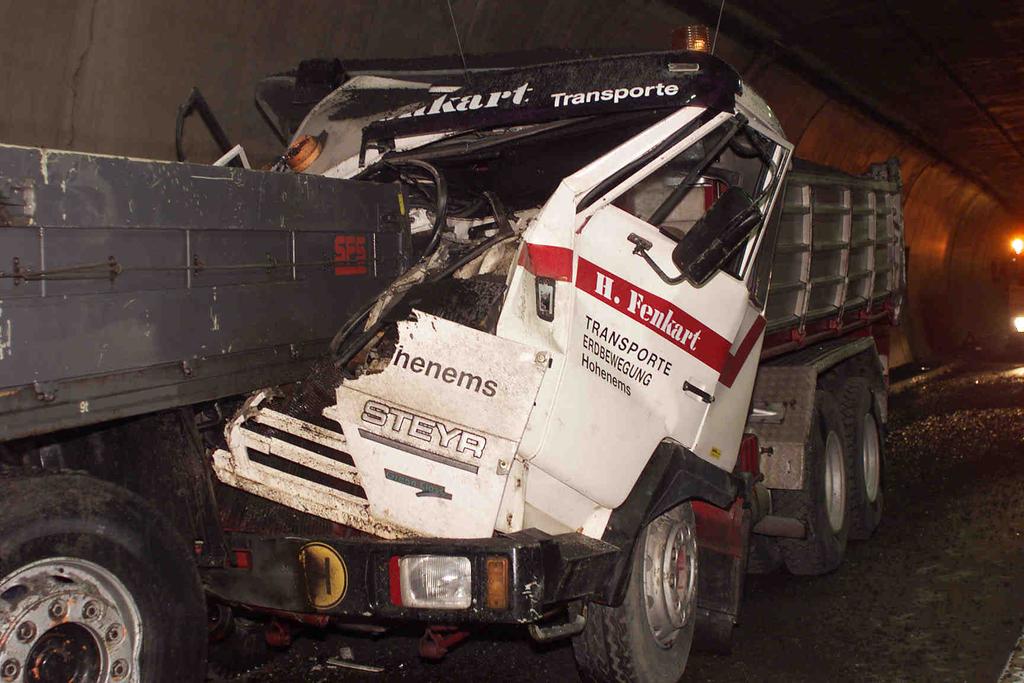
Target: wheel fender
x,y
673,475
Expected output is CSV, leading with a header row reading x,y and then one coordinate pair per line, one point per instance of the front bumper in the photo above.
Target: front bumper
x,y
282,573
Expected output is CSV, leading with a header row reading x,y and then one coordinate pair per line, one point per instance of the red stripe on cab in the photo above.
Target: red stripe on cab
x,y
547,261
735,361
660,316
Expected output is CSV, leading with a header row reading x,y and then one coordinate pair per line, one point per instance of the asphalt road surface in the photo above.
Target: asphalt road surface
x,y
936,595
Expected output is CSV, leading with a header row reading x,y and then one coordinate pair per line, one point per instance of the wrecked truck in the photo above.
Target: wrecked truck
x,y
573,345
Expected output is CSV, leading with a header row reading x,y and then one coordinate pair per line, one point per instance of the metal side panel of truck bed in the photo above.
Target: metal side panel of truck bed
x,y
128,286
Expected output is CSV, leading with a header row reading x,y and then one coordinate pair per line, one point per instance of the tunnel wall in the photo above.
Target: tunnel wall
x,y
954,228
107,76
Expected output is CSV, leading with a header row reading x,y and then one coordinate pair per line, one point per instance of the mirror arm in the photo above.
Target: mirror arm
x,y
640,248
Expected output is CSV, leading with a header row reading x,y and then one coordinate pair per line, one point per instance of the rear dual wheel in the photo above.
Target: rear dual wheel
x,y
823,502
842,496
864,443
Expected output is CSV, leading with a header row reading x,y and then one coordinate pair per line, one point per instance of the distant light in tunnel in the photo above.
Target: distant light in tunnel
x,y
1018,323
1017,244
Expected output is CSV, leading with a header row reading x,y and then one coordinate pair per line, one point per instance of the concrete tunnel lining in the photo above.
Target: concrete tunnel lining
x,y
950,294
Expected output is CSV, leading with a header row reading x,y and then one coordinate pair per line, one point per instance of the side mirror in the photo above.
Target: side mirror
x,y
716,236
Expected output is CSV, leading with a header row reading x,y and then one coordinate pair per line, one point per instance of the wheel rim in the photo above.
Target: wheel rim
x,y
835,482
871,455
68,619
670,576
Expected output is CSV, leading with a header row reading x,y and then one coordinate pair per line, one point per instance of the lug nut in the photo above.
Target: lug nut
x,y
26,631
10,669
57,609
91,610
113,634
119,669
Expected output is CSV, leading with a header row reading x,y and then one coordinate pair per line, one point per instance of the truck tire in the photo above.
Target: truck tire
x,y
95,585
865,456
821,505
647,638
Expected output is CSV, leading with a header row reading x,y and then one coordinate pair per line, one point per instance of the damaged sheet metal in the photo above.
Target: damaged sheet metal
x,y
787,394
548,92
435,433
258,463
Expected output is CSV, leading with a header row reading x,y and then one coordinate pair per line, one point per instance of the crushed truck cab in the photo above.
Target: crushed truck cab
x,y
555,406
463,432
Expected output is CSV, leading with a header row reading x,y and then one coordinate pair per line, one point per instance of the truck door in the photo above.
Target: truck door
x,y
644,355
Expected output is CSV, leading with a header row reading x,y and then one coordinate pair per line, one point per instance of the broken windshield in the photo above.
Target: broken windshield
x,y
732,158
524,165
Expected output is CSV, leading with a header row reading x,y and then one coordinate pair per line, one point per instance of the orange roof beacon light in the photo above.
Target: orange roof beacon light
x,y
694,38
302,153
1017,244
1018,323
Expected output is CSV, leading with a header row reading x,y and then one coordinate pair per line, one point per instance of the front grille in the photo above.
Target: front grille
x,y
301,449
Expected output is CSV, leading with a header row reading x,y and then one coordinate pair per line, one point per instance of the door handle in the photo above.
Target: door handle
x,y
698,392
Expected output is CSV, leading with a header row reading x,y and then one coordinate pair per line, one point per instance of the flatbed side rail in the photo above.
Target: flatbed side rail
x,y
839,257
128,286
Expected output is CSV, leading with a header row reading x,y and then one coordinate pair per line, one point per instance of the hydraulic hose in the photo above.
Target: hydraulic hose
x,y
440,222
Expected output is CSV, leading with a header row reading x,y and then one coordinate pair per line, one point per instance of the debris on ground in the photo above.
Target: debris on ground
x,y
345,664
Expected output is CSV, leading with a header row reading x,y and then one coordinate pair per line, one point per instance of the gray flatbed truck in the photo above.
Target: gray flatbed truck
x,y
135,296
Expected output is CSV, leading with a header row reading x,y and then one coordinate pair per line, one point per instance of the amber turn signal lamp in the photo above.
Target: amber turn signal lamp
x,y
1017,244
497,583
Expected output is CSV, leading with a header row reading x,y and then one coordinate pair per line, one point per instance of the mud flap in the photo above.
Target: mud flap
x,y
722,541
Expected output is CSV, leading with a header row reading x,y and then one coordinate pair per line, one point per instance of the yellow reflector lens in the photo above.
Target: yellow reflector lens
x,y
497,583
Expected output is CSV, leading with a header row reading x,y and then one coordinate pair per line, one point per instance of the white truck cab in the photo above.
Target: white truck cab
x,y
553,411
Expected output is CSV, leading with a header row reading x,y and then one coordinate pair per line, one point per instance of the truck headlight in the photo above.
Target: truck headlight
x,y
435,581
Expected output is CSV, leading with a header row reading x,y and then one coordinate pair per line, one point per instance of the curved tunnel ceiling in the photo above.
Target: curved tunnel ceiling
x,y
949,73
936,84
